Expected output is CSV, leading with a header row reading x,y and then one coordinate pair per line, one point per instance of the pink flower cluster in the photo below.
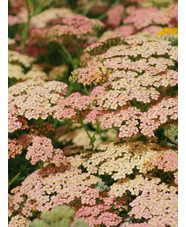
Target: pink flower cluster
x,y
166,160
150,62
158,114
19,221
50,187
158,204
120,160
93,73
126,30
130,120
143,17
15,6
90,196
115,15
127,224
124,79
97,215
15,122
42,150
15,146
128,115
33,100
71,106
76,26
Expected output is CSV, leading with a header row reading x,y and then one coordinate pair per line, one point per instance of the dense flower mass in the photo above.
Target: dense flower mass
x,y
143,17
16,146
162,206
44,191
22,68
42,150
115,15
124,80
16,57
120,160
93,113
19,220
76,26
32,100
119,59
97,215
72,106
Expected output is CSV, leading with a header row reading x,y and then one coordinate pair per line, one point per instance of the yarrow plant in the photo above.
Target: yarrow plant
x,y
92,113
151,19
22,68
68,33
130,80
33,100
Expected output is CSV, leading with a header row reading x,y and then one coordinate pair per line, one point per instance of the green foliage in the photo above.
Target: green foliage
x,y
38,223
61,216
102,186
173,38
80,223
105,45
57,214
157,3
171,132
40,5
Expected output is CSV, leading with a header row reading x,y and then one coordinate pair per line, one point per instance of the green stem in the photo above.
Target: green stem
x,y
62,133
99,130
55,123
83,125
17,135
79,52
64,50
40,164
26,28
86,11
85,89
13,180
136,104
40,121
104,15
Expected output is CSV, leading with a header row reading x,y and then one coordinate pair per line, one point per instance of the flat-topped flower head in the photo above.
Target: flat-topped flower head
x,y
142,18
34,100
42,150
77,26
16,146
98,215
50,187
134,54
22,68
120,160
130,73
115,15
16,57
158,205
72,106
19,221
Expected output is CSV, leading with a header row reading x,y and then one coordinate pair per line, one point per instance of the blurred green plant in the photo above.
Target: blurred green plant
x,y
157,3
171,132
61,216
